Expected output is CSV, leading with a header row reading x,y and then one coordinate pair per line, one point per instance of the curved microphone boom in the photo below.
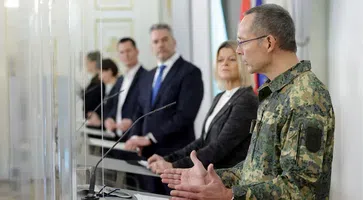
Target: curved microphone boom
x,y
83,93
91,191
104,101
91,89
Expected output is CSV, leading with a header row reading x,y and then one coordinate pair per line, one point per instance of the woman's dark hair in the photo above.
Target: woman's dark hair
x,y
108,64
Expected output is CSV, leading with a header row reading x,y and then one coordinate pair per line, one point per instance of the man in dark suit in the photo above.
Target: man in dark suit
x,y
173,80
92,95
124,107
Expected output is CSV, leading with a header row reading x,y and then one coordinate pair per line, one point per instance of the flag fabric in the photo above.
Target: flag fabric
x,y
245,5
259,79
258,2
219,33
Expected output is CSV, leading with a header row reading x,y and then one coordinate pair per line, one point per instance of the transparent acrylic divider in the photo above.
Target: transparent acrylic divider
x,y
42,50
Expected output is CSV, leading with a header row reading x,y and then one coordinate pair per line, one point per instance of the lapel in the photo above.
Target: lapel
x,y
136,77
235,96
113,90
93,84
167,80
149,88
119,82
215,101
133,83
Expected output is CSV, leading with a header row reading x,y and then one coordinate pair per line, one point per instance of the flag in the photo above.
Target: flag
x,y
258,2
245,5
259,79
219,33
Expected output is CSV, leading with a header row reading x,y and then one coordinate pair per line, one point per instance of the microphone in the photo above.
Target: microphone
x,y
82,93
91,89
91,191
104,101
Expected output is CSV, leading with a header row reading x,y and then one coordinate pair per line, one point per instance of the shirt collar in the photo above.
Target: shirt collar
x,y
170,62
131,72
230,93
283,79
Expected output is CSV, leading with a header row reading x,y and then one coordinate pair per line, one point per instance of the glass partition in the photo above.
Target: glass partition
x,y
42,50
44,44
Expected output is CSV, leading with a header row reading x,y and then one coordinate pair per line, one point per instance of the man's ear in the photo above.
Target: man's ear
x,y
271,43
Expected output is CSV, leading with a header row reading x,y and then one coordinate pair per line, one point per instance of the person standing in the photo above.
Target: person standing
x,y
291,151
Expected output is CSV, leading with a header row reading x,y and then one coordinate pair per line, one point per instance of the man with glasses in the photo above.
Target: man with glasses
x,y
291,150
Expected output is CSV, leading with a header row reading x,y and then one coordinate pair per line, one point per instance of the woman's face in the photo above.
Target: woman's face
x,y
227,65
106,76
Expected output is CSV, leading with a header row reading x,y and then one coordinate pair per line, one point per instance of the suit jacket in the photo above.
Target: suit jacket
x,y
108,106
107,103
129,107
92,96
227,139
173,128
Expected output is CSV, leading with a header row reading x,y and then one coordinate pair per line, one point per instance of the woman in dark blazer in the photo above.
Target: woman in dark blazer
x,y
111,86
225,136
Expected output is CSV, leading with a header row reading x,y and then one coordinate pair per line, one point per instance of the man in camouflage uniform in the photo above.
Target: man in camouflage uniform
x,y
291,150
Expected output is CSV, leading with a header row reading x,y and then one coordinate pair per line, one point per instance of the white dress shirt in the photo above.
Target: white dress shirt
x,y
168,63
226,96
125,86
108,88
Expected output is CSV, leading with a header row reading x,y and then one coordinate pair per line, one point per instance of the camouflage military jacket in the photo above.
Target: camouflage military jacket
x,y
291,149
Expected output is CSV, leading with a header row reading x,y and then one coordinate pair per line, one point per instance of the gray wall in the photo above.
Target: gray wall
x,y
345,67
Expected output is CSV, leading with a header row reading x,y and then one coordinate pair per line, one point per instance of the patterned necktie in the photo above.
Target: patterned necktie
x,y
157,84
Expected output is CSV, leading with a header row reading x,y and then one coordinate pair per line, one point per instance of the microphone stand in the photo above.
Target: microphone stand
x,y
87,91
104,101
91,191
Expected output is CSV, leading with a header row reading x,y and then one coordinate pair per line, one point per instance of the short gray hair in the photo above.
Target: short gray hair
x,y
161,26
275,20
95,56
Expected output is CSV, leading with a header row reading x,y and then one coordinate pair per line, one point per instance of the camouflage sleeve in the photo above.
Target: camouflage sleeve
x,y
230,176
305,159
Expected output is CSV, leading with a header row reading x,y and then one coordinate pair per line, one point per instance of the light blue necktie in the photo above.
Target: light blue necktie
x,y
157,84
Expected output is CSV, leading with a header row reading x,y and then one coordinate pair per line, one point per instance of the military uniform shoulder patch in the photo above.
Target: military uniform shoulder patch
x,y
313,138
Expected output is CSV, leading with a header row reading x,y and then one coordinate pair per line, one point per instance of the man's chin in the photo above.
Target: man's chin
x,y
161,57
250,70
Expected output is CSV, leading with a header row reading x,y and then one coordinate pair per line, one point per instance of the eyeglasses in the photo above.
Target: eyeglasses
x,y
245,41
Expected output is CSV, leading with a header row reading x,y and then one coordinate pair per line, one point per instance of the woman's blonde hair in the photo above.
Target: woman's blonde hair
x,y
244,75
